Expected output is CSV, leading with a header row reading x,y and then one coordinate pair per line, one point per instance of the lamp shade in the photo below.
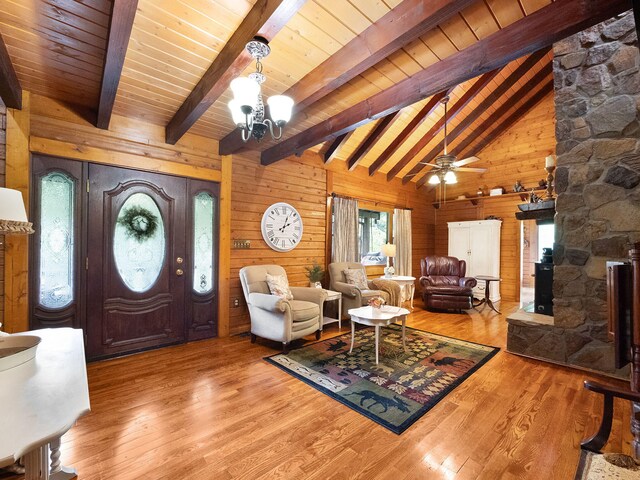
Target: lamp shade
x,y
434,179
238,116
245,91
450,177
280,107
388,250
13,216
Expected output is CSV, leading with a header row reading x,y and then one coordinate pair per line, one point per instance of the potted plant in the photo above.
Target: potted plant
x,y
315,274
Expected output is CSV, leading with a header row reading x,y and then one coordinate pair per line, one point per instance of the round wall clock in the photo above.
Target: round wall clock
x,y
281,227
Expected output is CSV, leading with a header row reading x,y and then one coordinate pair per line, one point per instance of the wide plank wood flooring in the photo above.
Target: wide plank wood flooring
x,y
215,410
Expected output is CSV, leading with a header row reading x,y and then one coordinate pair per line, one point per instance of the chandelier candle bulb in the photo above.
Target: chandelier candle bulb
x,y
245,92
280,107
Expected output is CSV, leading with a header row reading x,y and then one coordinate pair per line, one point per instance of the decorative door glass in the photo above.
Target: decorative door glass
x,y
203,214
56,240
139,242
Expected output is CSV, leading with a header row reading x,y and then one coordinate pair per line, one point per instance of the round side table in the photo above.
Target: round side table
x,y
487,283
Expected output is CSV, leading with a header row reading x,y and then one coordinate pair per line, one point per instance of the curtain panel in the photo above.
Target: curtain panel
x,y
402,240
345,230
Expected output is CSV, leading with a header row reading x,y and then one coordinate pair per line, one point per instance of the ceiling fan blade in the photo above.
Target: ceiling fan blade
x,y
467,169
465,161
432,165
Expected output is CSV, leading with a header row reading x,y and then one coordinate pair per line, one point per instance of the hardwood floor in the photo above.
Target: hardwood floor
x,y
215,410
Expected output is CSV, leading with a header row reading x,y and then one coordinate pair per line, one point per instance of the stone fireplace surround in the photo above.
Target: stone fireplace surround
x,y
597,98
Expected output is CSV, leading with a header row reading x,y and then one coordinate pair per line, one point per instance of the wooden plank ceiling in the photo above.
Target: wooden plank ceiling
x,y
57,48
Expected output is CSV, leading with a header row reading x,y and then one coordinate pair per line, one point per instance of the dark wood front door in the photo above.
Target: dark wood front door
x,y
136,280
129,256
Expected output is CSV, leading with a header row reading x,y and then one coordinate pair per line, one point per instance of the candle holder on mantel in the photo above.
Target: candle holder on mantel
x,y
550,179
550,166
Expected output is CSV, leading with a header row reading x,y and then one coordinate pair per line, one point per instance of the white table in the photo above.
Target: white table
x,y
377,317
404,281
41,400
331,295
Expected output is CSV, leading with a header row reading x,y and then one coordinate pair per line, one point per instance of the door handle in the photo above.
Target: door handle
x,y
179,272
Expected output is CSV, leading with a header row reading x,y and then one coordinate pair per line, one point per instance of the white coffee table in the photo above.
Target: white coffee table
x,y
377,317
404,281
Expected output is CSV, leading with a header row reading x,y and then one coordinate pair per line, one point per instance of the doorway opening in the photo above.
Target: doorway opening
x,y
534,237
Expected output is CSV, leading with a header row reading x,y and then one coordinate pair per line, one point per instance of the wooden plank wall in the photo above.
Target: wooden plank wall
x,y
3,156
56,129
518,154
305,184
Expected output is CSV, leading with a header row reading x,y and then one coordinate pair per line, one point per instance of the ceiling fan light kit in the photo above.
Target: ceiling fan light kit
x,y
446,164
247,107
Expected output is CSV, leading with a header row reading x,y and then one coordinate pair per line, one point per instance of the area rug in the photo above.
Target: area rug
x,y
402,387
598,466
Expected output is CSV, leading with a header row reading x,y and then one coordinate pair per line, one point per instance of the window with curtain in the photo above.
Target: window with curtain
x,y
373,232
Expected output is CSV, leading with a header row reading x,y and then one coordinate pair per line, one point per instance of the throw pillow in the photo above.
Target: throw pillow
x,y
356,277
279,285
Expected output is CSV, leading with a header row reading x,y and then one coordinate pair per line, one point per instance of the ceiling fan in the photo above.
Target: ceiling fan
x,y
446,165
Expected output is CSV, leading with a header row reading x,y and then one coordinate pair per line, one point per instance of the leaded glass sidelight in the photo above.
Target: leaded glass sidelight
x,y
203,215
56,240
138,253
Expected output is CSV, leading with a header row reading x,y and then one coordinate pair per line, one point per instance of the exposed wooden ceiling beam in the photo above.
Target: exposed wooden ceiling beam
x,y
266,18
335,147
453,110
489,100
533,32
10,90
411,127
408,21
122,14
494,118
538,79
511,119
375,134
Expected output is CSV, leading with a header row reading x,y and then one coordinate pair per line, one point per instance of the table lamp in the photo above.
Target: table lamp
x,y
13,216
389,251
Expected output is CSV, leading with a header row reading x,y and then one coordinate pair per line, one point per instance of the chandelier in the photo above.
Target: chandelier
x,y
247,107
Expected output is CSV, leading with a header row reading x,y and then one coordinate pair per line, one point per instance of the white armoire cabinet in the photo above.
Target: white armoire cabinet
x,y
478,242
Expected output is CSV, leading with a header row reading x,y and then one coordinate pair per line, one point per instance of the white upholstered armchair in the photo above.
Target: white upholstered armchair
x,y
352,295
278,319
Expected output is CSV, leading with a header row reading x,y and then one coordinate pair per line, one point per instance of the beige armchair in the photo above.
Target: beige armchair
x,y
352,297
277,319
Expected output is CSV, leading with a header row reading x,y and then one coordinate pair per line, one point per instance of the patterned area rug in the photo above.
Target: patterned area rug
x,y
598,466
402,387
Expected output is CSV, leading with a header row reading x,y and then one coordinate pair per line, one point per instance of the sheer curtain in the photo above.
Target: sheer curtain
x,y
345,230
402,240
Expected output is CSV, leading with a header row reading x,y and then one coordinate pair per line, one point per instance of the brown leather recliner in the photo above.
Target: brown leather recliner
x,y
444,285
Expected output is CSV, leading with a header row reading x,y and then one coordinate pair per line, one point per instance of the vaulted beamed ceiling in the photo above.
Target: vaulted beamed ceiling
x,y
58,49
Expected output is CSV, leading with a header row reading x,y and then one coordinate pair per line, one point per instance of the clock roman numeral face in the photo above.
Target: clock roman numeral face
x,y
282,227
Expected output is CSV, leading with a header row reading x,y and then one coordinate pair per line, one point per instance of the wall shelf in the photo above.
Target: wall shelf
x,y
524,196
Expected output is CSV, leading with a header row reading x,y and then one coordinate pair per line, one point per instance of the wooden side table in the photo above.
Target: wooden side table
x,y
487,283
331,295
404,281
